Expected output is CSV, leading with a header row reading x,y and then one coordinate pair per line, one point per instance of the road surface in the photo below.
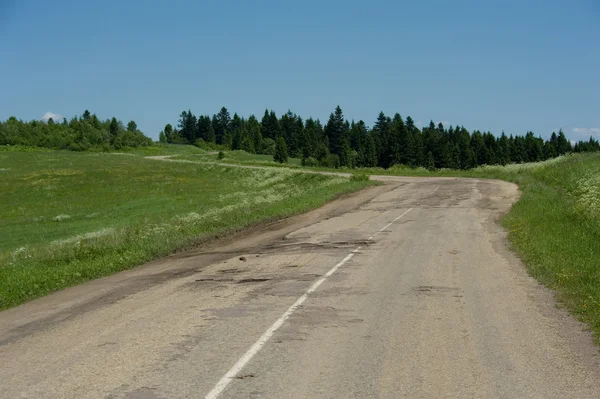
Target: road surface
x,y
405,290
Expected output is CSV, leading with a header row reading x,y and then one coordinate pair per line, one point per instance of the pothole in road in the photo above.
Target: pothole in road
x,y
230,271
252,280
352,243
243,377
433,288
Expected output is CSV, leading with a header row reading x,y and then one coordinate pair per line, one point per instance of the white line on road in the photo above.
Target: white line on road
x,y
435,189
254,349
233,372
393,221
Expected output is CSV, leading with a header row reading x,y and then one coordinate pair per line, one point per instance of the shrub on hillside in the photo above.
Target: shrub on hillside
x,y
310,161
359,177
331,161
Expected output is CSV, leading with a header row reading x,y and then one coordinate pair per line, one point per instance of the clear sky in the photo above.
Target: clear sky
x,y
512,65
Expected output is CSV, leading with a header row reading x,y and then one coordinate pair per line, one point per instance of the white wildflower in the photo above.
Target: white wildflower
x,y
87,236
587,193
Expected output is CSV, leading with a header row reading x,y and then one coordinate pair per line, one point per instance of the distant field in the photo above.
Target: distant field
x,y
240,157
68,217
164,149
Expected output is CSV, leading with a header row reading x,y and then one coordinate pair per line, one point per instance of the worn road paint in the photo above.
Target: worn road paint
x,y
254,349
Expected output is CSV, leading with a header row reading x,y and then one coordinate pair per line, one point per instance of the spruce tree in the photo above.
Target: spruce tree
x,y
430,162
204,129
370,151
336,131
114,127
253,133
169,133
221,125
382,131
281,154
562,144
187,126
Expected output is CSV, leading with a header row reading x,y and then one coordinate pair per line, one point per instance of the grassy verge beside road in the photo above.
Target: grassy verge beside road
x,y
555,227
68,217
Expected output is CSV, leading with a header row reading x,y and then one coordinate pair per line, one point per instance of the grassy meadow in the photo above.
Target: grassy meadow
x,y
239,157
68,217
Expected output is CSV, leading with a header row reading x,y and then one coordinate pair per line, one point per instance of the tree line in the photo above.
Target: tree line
x,y
391,141
83,133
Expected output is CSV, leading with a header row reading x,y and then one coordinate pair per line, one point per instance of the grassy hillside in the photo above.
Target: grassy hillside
x,y
68,217
240,157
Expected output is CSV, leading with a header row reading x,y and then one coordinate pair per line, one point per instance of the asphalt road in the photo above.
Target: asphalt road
x,y
404,290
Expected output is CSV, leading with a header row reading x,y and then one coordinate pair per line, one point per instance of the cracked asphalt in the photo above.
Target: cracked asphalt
x,y
415,295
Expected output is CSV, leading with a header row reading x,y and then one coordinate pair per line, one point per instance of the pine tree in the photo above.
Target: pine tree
x,y
322,153
270,127
562,144
291,129
96,122
382,131
400,141
221,125
414,155
549,150
187,126
254,134
309,140
114,127
281,154
503,149
467,157
430,162
370,151
336,131
169,133
358,142
204,129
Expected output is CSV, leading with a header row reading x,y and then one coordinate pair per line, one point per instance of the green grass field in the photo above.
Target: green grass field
x,y
68,217
238,157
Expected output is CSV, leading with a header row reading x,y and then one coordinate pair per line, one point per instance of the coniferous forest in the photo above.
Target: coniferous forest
x,y
390,141
338,143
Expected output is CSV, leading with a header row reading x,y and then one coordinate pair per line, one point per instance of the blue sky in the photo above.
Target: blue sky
x,y
488,65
